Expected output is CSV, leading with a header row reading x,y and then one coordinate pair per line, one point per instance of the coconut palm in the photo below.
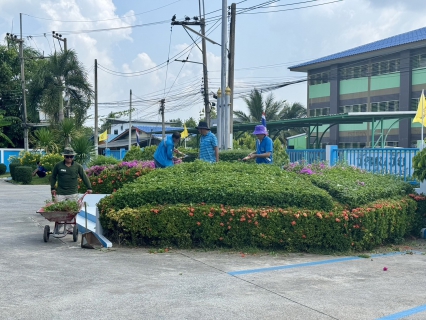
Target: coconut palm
x,y
58,76
45,139
256,105
291,111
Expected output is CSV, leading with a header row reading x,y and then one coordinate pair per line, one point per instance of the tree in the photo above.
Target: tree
x,y
190,123
292,111
256,105
4,122
177,122
61,74
11,90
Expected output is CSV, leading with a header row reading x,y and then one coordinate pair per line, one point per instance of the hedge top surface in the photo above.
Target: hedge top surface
x,y
223,183
355,187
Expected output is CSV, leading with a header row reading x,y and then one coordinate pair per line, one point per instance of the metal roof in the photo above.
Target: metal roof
x,y
158,129
398,40
343,118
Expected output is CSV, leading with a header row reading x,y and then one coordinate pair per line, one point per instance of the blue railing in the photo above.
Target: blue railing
x,y
398,161
117,154
310,156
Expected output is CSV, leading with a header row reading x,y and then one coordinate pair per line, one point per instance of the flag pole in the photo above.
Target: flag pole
x,y
423,118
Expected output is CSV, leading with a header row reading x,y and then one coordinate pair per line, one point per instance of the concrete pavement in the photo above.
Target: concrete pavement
x,y
59,280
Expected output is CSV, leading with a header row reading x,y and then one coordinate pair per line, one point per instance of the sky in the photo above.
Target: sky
x,y
134,40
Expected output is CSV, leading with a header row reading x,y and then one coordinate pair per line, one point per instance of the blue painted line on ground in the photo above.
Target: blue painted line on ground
x,y
404,314
316,263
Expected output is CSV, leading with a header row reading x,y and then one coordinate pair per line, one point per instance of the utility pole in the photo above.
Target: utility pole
x,y
96,107
61,98
162,118
14,38
206,82
223,73
219,119
231,71
130,121
59,37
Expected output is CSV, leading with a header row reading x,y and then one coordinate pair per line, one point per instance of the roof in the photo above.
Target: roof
x,y
398,40
158,129
343,118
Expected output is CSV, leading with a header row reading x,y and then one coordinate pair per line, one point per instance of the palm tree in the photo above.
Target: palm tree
x,y
256,105
61,74
4,122
292,111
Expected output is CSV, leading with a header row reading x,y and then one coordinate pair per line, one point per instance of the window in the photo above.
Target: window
x,y
319,78
122,128
312,112
418,61
341,109
363,107
355,108
385,67
115,131
414,104
383,106
374,107
353,72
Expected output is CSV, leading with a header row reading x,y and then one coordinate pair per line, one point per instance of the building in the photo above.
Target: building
x,y
383,76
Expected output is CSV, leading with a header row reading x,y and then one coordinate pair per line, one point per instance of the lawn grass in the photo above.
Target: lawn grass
x,y
40,181
5,175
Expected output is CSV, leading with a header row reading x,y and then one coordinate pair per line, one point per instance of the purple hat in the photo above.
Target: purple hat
x,y
260,130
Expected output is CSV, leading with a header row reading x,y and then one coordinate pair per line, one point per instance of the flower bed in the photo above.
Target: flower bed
x,y
235,184
291,229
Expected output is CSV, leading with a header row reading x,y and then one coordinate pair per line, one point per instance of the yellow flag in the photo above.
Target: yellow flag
x,y
421,110
103,136
184,133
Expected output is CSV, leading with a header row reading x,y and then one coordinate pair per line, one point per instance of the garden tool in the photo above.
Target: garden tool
x,y
88,239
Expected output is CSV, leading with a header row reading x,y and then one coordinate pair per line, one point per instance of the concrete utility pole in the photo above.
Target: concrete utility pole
x,y
96,107
219,119
226,99
130,121
24,100
162,107
223,72
206,82
231,71
202,25
59,37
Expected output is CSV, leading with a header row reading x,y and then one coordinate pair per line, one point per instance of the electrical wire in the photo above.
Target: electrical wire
x,y
126,16
314,5
168,59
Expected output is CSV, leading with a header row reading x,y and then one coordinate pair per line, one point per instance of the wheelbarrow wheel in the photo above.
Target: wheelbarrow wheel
x,y
46,233
75,233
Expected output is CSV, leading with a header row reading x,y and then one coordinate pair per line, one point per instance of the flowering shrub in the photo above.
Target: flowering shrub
x,y
28,158
102,160
110,180
228,183
354,187
292,229
48,161
96,170
302,167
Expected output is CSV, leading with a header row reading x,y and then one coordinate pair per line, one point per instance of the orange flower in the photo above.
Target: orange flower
x,y
263,214
303,236
229,227
243,219
319,215
221,224
293,223
256,223
191,214
211,215
297,216
220,238
337,220
198,223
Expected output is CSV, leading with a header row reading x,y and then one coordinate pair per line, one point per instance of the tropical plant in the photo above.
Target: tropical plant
x,y
292,111
61,75
66,129
4,122
256,105
84,149
45,139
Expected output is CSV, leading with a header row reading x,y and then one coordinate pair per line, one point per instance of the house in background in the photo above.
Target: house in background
x,y
148,135
383,76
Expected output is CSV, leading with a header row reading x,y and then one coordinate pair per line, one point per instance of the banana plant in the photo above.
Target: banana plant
x,y
4,122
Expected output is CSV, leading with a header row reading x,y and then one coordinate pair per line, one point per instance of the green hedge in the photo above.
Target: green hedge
x,y
102,160
223,183
354,187
137,153
24,174
233,155
110,180
291,229
3,168
12,167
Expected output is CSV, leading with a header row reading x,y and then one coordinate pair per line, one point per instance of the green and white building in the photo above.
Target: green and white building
x,y
383,76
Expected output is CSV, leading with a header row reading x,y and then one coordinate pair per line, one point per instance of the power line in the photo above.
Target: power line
x,y
126,16
314,5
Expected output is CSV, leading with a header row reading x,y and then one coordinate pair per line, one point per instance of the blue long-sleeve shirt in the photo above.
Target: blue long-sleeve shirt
x,y
164,153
